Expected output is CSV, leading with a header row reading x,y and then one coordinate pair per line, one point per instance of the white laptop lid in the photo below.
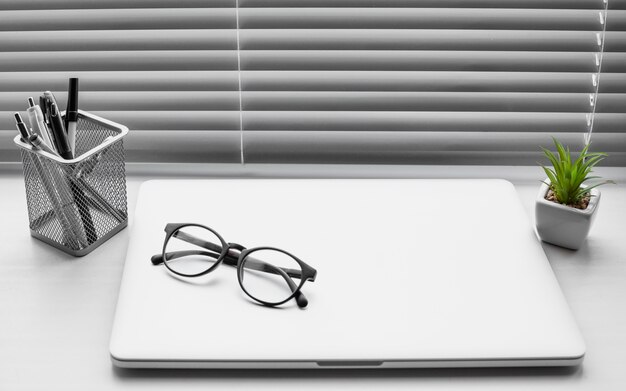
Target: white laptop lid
x,y
411,273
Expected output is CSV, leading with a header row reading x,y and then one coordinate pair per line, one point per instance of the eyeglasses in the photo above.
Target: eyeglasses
x,y
268,275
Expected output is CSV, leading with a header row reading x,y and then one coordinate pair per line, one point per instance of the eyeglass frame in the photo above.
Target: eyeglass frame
x,y
306,273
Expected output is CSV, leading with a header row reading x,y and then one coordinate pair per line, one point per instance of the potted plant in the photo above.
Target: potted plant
x,y
566,204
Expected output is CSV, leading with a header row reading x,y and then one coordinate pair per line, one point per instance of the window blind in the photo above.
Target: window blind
x,y
327,81
427,81
166,69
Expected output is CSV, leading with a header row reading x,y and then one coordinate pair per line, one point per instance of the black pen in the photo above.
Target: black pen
x,y
21,126
71,114
49,100
42,106
60,138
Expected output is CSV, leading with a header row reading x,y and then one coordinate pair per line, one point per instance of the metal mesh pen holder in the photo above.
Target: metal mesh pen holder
x,y
76,205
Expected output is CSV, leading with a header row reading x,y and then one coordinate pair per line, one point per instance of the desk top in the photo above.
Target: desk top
x,y
58,313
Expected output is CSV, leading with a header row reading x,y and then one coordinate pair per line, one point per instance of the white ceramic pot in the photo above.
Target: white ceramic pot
x,y
563,225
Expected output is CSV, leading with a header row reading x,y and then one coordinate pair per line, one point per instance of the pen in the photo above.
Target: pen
x,y
38,123
58,193
60,138
38,143
71,113
49,101
22,128
49,96
43,107
71,196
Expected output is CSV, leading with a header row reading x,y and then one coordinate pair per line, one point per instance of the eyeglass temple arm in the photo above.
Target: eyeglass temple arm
x,y
256,264
251,263
157,259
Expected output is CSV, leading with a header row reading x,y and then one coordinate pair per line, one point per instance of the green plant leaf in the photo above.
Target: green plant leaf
x,y
550,174
567,175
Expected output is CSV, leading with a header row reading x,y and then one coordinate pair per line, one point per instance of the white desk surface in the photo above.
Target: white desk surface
x,y
56,311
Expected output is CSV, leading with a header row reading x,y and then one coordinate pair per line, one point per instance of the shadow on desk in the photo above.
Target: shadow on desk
x,y
543,372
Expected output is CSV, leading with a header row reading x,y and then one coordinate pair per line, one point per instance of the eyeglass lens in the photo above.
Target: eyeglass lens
x,y
185,253
270,275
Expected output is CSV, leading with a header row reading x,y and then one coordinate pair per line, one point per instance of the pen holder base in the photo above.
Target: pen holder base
x,y
81,252
76,205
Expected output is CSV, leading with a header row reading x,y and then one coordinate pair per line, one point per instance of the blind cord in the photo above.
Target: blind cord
x,y
599,58
239,79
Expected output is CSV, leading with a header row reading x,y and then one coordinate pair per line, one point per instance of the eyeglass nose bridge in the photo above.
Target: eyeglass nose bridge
x,y
235,250
236,246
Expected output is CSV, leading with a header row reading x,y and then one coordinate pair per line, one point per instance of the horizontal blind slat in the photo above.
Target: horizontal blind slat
x,y
122,19
616,21
159,146
612,103
324,154
576,4
132,100
386,147
417,101
615,41
122,80
116,4
331,121
183,147
610,123
417,81
119,60
462,141
413,39
173,120
617,5
427,18
612,82
361,60
614,62
117,40
137,120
